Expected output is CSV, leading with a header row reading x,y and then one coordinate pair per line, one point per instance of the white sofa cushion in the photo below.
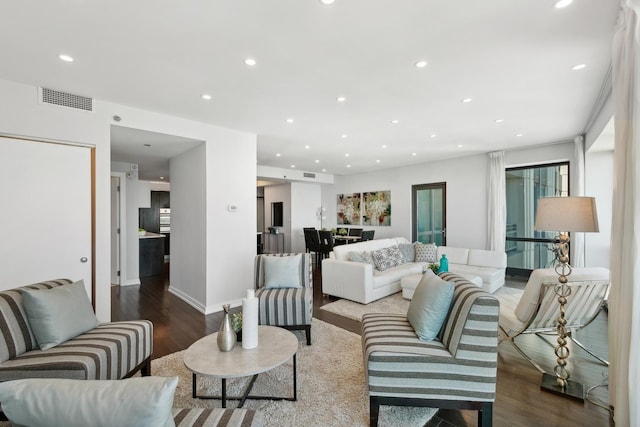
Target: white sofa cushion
x,y
383,278
488,274
341,252
529,299
484,258
454,255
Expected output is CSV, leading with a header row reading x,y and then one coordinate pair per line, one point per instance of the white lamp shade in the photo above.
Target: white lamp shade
x,y
567,214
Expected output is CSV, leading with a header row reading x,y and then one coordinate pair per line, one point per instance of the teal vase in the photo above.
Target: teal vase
x,y
444,264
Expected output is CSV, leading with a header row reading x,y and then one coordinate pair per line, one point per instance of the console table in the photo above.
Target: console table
x,y
273,243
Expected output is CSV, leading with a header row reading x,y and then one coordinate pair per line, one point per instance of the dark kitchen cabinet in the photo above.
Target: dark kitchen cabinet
x,y
149,218
151,256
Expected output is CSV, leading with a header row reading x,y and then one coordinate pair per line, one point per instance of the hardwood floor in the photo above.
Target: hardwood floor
x,y
519,400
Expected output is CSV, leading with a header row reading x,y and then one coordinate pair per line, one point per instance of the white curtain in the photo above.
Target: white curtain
x,y
496,203
577,189
624,300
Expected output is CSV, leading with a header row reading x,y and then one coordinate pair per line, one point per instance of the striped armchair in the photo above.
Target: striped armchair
x,y
290,308
110,351
456,370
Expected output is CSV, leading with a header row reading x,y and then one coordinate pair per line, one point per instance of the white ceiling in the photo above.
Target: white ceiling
x,y
513,58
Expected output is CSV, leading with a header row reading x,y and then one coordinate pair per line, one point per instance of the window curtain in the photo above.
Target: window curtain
x,y
496,203
577,189
624,299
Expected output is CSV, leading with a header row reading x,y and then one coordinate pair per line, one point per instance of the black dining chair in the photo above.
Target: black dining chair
x,y
357,232
312,242
326,244
367,235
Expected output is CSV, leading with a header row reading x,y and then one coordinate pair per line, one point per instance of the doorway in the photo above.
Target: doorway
x,y
429,213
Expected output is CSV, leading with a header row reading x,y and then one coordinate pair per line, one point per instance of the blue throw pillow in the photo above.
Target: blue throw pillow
x,y
58,314
429,305
282,272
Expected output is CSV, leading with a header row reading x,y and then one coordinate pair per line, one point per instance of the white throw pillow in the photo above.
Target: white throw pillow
x,y
47,402
282,272
58,314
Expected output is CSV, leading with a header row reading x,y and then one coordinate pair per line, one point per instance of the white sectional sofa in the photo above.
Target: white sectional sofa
x,y
359,281
491,266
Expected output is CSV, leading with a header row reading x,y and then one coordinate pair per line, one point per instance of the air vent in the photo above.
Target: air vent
x,y
63,99
309,175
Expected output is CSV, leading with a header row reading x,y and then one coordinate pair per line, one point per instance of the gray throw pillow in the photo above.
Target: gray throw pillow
x,y
364,257
58,314
44,402
408,252
282,272
387,258
430,305
426,252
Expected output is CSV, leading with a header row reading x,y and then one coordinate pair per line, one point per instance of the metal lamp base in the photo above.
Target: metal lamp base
x,y
573,390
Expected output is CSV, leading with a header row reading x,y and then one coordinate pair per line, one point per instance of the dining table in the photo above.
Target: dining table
x,y
346,239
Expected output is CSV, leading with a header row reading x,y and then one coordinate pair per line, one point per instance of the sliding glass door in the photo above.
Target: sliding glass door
x,y
429,213
528,249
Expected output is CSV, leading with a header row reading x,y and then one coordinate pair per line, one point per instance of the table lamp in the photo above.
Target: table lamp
x,y
564,214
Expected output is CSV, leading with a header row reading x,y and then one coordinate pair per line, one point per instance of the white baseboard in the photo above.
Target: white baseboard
x,y
213,308
130,282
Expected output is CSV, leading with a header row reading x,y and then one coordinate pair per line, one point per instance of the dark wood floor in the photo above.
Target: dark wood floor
x,y
519,401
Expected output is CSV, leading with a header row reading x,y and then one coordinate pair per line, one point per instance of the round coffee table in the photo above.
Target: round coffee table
x,y
275,347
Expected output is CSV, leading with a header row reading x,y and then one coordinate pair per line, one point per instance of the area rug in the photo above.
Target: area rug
x,y
354,310
331,386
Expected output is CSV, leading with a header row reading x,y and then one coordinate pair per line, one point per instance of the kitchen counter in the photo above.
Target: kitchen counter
x,y
150,235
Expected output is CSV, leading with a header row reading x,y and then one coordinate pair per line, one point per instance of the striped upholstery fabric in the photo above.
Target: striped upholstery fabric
x,y
460,365
287,307
199,417
109,351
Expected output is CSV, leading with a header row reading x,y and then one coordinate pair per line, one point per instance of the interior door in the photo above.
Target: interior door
x,y
429,213
115,230
47,212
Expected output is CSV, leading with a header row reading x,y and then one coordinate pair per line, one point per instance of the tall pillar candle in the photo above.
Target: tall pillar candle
x,y
250,320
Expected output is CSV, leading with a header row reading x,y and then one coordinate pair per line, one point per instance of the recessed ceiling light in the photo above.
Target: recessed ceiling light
x,y
377,161
206,96
460,145
317,161
341,99
289,120
346,155
344,135
327,2
563,3
293,166
499,120
250,62
579,67
518,134
65,58
307,147
421,64
348,166
384,146
395,121
466,100
414,154
433,135
277,154
324,170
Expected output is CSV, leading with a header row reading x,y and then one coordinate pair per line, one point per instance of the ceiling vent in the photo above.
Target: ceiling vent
x,y
64,99
309,175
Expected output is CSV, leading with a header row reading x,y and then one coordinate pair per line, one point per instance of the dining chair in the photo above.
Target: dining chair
x,y
367,235
355,232
312,242
326,244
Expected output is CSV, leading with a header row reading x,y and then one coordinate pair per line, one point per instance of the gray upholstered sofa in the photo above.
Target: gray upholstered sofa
x,y
110,351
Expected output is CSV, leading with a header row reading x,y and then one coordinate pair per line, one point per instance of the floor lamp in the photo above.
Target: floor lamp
x,y
564,214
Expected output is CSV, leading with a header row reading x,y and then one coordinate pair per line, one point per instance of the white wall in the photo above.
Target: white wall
x,y
188,227
233,153
305,201
466,180
599,184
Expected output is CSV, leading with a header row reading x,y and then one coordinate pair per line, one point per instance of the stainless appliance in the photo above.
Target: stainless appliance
x,y
165,220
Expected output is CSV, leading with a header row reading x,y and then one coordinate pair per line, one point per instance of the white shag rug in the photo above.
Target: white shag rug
x,y
331,386
354,310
